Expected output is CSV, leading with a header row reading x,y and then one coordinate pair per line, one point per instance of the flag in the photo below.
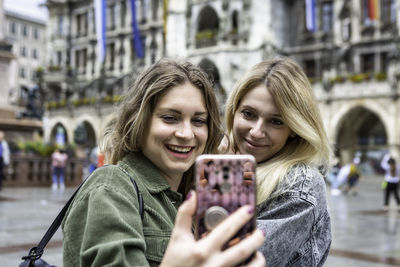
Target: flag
x,y
373,9
165,18
137,41
310,15
100,18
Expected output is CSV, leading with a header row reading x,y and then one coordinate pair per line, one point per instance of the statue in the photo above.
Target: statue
x,y
34,107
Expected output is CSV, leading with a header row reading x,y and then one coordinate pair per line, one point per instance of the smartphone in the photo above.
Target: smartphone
x,y
224,183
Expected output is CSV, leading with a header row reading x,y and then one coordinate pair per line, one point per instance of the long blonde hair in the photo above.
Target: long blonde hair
x,y
126,130
294,98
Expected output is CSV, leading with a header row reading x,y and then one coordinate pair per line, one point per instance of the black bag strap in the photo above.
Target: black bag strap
x,y
36,252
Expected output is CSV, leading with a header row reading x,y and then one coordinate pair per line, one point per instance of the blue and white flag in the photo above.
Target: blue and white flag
x,y
310,15
100,18
137,41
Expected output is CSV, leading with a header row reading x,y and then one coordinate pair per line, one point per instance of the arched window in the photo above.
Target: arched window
x,y
84,134
235,22
207,28
59,135
234,27
209,67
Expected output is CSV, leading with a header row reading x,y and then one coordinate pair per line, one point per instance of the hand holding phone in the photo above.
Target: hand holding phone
x,y
224,183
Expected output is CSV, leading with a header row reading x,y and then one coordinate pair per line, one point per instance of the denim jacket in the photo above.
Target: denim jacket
x,y
297,223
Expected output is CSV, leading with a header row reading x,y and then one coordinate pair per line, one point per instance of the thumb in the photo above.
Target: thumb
x,y
185,213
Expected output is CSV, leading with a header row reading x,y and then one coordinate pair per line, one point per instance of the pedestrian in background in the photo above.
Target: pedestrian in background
x,y
391,181
4,157
93,159
348,176
58,163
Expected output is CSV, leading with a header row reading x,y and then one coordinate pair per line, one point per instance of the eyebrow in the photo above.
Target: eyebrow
x,y
251,108
198,113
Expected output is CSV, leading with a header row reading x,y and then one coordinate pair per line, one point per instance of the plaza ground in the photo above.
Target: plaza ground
x,y
363,234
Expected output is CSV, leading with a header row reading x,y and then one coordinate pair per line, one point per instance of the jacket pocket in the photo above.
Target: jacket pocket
x,y
156,244
304,256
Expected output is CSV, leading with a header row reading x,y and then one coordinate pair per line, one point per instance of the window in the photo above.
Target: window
x,y
34,53
123,13
13,27
388,11
327,16
34,75
235,21
367,63
59,58
23,51
85,23
309,68
207,28
154,9
111,52
22,72
24,30
77,59
78,24
384,62
84,59
35,33
60,26
346,29
113,16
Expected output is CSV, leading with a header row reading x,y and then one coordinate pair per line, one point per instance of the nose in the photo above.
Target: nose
x,y
258,131
185,131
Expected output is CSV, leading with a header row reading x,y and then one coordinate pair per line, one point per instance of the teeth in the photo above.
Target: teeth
x,y
179,148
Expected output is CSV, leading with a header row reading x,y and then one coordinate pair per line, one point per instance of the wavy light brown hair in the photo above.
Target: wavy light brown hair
x,y
125,132
294,98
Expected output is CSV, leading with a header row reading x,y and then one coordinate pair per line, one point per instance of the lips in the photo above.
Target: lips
x,y
180,149
254,144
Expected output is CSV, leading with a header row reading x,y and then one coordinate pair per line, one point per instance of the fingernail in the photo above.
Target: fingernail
x,y
189,195
251,210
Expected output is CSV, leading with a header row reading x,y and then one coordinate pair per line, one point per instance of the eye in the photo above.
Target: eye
x,y
199,121
247,114
169,118
276,122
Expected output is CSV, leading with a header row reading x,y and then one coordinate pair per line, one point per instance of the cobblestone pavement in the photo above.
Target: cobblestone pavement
x,y
363,234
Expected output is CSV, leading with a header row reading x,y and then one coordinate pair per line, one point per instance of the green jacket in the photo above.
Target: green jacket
x,y
103,225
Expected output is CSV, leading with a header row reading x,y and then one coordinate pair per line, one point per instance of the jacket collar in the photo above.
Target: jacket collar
x,y
141,168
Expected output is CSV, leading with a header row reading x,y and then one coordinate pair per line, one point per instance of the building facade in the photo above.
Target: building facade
x,y
5,58
351,58
28,38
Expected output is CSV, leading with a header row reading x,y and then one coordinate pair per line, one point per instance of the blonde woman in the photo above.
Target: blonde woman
x,y
273,115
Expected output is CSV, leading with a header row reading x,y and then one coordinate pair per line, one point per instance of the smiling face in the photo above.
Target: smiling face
x,y
258,127
177,132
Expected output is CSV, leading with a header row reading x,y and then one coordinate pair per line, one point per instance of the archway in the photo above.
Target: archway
x,y
211,69
361,132
207,27
84,134
59,135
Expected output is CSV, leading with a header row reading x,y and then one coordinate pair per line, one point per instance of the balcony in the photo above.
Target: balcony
x,y
360,85
206,38
33,170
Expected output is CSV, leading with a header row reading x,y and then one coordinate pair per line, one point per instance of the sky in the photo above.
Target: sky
x,y
27,7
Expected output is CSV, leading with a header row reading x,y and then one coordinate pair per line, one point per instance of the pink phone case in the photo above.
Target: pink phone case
x,y
224,183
